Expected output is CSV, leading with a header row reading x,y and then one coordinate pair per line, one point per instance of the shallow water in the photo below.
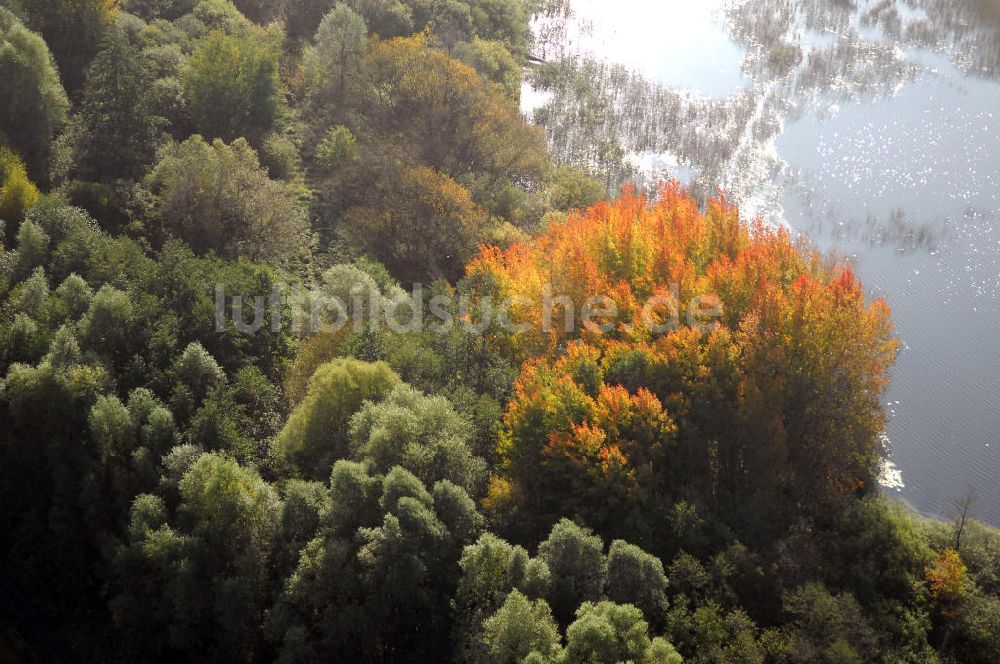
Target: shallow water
x,y
871,127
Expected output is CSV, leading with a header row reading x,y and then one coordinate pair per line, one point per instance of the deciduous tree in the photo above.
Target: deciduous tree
x,y
316,434
73,30
17,192
217,197
33,104
778,396
420,223
232,85
519,628
119,131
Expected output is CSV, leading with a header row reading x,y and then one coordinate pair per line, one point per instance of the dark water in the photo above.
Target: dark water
x,y
871,127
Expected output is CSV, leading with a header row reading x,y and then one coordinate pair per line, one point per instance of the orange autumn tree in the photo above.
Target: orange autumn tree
x,y
947,579
767,413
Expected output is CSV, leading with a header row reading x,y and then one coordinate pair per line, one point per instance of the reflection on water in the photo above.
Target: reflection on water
x,y
967,31
869,126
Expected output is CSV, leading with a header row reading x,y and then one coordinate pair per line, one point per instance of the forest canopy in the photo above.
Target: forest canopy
x,y
191,470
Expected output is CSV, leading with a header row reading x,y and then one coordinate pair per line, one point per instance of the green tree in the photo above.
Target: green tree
x,y
304,507
334,62
494,63
519,628
505,21
337,148
385,559
73,30
217,197
74,295
198,371
217,15
316,434
437,112
575,556
43,467
209,565
150,10
429,130
119,131
827,628
975,634
32,248
233,86
259,11
33,104
609,632
107,326
491,569
636,577
572,188
386,18
302,17
422,434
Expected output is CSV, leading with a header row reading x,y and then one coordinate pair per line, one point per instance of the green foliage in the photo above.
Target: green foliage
x,y
385,558
491,569
387,18
338,147
280,155
149,10
609,632
74,294
333,63
32,296
419,433
494,63
233,87
316,433
259,11
976,632
440,113
116,204
302,17
572,188
576,560
423,226
980,548
217,197
451,157
520,627
73,30
32,247
211,561
827,628
198,371
504,21
119,131
636,577
220,15
305,506
107,325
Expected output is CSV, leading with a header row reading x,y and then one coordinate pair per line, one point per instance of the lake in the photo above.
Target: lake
x,y
873,128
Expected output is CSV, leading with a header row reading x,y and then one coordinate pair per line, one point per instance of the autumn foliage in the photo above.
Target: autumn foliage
x,y
947,577
771,412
